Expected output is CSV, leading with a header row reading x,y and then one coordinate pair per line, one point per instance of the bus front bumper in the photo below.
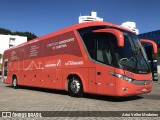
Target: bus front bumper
x,y
130,89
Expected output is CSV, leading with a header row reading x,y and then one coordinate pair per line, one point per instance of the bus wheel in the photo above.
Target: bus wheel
x,y
15,82
75,87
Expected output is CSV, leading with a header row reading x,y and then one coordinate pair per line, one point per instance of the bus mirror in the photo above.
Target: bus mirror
x,y
155,49
117,33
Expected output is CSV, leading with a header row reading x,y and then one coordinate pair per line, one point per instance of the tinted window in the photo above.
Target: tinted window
x,y
98,46
103,48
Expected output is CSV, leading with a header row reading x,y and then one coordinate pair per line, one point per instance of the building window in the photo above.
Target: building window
x,y
12,40
11,45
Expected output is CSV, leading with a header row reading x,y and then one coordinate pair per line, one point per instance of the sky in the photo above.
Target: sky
x,y
45,16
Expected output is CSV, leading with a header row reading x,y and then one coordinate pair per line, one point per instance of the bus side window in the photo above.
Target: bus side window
x,y
90,44
103,50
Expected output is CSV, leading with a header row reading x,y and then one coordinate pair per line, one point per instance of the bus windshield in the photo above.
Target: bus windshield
x,y
132,55
103,48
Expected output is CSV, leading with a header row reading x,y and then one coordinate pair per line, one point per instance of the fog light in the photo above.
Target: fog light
x,y
124,89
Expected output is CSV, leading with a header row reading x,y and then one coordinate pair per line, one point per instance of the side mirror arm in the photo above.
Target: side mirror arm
x,y
154,45
117,33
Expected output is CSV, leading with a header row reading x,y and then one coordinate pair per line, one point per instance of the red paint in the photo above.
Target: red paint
x,y
47,61
118,34
155,49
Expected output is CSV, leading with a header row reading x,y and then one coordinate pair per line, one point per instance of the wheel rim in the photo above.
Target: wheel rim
x,y
14,82
75,86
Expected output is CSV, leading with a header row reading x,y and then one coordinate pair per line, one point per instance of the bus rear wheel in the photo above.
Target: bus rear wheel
x,y
15,82
75,87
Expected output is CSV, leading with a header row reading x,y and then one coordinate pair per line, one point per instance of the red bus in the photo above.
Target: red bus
x,y
93,57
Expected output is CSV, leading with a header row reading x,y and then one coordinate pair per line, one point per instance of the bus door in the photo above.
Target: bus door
x,y
98,44
5,68
106,83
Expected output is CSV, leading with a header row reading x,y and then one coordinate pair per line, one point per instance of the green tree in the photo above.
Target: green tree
x,y
29,35
5,31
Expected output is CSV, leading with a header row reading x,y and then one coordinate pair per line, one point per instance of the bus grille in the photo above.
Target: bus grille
x,y
141,82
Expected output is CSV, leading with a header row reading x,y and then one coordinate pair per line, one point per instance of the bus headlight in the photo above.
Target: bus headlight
x,y
123,77
127,79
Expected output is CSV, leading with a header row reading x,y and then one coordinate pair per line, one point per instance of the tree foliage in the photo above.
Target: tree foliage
x,y
5,31
29,35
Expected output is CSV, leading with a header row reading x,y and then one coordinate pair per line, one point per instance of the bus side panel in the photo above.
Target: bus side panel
x,y
31,72
51,72
39,63
8,80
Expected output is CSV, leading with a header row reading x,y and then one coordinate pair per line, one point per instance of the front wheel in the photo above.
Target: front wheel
x,y
15,83
75,87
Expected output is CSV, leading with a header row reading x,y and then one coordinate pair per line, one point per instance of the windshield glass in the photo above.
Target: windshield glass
x,y
103,48
132,55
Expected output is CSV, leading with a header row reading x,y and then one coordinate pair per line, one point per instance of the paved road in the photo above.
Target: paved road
x,y
35,99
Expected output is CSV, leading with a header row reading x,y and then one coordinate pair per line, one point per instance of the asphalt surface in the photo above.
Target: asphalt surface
x,y
36,99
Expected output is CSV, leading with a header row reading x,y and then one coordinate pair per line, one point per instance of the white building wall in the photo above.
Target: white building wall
x,y
92,17
131,26
8,41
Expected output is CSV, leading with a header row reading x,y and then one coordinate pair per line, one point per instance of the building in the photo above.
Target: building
x,y
91,17
153,35
153,59
8,41
131,26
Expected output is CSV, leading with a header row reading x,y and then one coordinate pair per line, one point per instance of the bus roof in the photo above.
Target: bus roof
x,y
70,28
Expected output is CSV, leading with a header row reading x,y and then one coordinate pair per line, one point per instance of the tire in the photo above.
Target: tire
x,y
15,83
75,87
